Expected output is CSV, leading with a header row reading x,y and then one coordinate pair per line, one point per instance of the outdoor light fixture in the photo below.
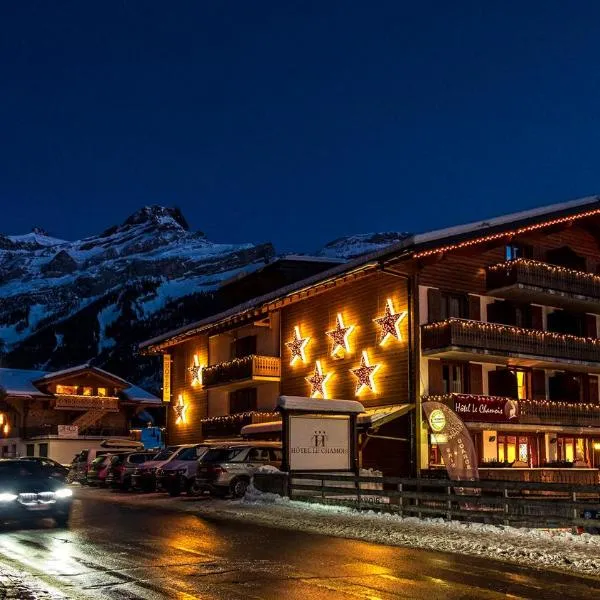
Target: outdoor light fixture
x,y
389,323
364,374
297,346
339,337
196,371
180,410
317,381
7,497
492,438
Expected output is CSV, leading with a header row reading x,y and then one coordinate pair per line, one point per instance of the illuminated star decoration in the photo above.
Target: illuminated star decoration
x,y
389,323
339,336
180,409
196,371
317,381
364,374
297,345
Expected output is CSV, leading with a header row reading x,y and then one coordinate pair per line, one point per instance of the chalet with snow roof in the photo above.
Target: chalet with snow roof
x,y
497,320
57,414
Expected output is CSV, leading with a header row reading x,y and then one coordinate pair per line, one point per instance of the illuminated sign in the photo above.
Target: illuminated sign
x,y
166,378
437,420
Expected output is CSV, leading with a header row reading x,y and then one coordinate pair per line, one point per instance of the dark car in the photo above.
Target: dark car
x,y
122,467
50,467
144,477
28,494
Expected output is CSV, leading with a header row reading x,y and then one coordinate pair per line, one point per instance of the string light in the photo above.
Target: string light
x,y
389,323
297,346
180,409
505,234
317,381
339,336
196,371
237,417
364,374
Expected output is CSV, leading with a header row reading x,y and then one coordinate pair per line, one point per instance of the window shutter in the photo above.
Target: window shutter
x,y
537,318
475,308
475,379
538,384
590,326
434,305
435,378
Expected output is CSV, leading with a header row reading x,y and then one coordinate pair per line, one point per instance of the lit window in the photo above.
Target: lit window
x,y
521,386
102,392
70,390
87,391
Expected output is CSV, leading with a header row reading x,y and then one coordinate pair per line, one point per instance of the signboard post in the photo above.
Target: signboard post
x,y
319,435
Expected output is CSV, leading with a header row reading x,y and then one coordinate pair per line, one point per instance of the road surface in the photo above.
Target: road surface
x,y
122,551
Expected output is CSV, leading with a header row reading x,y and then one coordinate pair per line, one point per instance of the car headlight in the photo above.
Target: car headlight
x,y
7,497
63,493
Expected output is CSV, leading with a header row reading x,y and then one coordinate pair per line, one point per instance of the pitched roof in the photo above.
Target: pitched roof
x,y
435,240
19,382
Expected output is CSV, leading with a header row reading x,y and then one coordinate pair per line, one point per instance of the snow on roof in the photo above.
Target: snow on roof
x,y
321,406
71,370
381,415
410,244
256,428
137,394
19,382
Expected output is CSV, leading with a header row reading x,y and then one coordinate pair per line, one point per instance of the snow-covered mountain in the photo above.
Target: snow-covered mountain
x,y
65,302
363,243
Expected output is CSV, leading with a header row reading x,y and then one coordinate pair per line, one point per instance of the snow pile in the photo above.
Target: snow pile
x,y
268,469
255,496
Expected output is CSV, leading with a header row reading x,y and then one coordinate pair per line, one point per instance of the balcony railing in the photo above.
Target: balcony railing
x,y
252,367
86,403
231,425
529,412
52,430
507,340
543,276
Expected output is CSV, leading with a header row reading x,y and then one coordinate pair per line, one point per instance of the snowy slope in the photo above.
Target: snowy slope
x,y
363,243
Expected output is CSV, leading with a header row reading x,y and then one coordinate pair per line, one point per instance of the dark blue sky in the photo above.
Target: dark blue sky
x,y
295,122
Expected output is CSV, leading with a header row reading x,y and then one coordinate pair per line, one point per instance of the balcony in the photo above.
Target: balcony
x,y
484,409
106,404
239,371
461,339
534,281
231,425
44,431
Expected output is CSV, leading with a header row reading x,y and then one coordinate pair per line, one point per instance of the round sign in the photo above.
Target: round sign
x,y
437,420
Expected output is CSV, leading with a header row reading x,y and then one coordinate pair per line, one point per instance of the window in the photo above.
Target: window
x,y
514,251
243,400
571,449
453,378
244,346
70,390
522,380
454,305
88,391
276,455
513,448
102,391
43,450
30,450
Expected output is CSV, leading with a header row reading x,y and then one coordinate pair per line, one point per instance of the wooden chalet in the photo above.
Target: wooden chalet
x,y
497,319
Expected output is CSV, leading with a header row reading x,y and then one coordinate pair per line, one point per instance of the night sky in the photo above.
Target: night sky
x,y
294,122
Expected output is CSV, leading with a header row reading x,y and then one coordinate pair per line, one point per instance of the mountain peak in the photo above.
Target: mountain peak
x,y
352,246
158,215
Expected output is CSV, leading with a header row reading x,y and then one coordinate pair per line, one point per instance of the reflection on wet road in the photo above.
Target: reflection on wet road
x,y
117,551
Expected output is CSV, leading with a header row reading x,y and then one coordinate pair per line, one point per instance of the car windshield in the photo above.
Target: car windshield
x,y
188,454
12,470
222,454
164,454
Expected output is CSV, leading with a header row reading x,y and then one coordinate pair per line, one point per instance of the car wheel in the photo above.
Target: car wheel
x,y
238,487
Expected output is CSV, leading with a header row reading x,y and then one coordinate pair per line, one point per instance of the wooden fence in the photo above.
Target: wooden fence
x,y
520,504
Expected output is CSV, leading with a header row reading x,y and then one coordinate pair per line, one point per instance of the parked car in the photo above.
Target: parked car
x,y
50,467
122,466
28,494
179,474
144,477
229,469
98,471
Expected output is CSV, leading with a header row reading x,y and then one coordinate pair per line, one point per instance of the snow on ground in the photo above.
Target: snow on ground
x,y
538,548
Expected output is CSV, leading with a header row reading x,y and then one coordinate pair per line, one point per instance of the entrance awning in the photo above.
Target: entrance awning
x,y
376,417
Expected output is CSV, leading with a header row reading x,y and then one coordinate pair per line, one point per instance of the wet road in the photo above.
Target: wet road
x,y
117,551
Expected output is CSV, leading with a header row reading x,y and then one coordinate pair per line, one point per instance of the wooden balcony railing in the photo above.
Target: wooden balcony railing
x,y
507,340
107,404
543,276
240,369
231,425
530,412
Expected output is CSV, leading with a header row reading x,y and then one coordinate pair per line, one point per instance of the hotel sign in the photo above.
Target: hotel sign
x,y
166,378
320,443
486,409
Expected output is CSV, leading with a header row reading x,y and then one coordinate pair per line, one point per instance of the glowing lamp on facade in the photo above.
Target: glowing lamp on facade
x,y
196,371
364,374
297,346
180,410
389,323
339,337
317,381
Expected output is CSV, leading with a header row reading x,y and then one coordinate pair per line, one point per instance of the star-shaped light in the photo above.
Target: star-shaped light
x,y
180,409
390,322
297,345
339,336
196,371
364,374
317,381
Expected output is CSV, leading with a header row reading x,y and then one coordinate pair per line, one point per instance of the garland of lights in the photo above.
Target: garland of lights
x,y
236,417
505,234
500,328
522,403
554,269
339,336
364,374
